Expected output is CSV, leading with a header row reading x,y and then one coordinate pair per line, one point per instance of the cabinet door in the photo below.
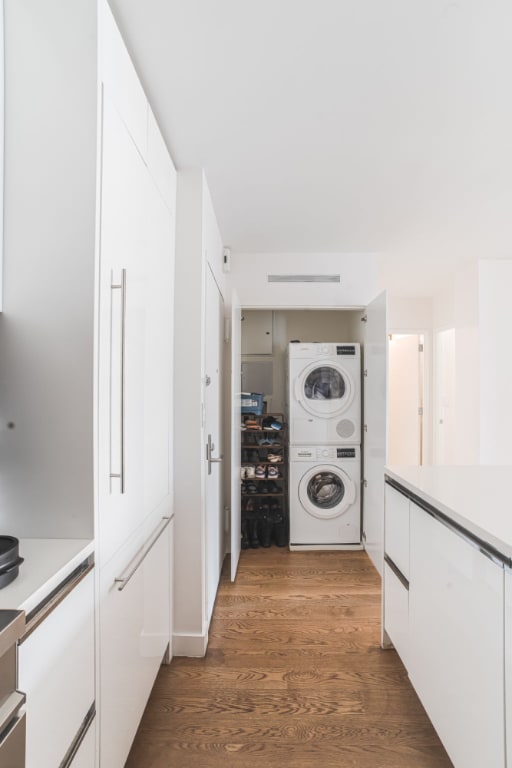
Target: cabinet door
x,y
56,671
135,340
121,82
86,754
456,641
134,634
396,530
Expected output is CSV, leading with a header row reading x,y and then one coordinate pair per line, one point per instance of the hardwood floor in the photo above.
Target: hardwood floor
x,y
294,677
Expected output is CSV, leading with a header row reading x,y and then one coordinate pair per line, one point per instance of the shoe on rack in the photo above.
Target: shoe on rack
x,y
275,458
251,487
272,472
273,487
260,471
253,533
266,527
245,535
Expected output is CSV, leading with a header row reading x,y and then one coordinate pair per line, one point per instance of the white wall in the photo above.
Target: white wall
x,y
47,327
358,286
189,304
495,310
467,362
197,241
409,315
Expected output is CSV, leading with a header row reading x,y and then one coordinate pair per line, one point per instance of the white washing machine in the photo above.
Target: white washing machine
x,y
324,393
325,497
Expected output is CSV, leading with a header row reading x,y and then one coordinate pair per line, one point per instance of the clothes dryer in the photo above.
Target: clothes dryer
x,y
325,497
324,393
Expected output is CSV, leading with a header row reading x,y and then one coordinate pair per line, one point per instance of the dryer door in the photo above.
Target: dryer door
x,y
326,491
325,389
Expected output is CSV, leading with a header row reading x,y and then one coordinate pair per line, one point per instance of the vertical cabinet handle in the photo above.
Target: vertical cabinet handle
x,y
122,288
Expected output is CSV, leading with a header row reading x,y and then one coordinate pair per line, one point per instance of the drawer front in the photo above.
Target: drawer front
x,y
396,531
396,613
134,633
56,671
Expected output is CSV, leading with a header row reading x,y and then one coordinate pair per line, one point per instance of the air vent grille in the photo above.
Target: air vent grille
x,y
304,278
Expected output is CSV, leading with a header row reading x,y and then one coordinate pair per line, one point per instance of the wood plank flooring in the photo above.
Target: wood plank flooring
x,y
294,677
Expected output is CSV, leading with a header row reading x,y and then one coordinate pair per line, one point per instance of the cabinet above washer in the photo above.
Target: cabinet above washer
x,y
257,337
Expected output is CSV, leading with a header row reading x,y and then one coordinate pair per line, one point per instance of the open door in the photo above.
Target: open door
x,y
236,380
375,427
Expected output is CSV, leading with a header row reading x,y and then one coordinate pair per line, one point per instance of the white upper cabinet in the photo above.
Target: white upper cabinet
x,y
160,164
121,82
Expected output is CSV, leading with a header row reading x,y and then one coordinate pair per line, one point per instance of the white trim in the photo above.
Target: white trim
x,y
189,645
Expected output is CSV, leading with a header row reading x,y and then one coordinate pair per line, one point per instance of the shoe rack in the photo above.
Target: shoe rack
x,y
264,480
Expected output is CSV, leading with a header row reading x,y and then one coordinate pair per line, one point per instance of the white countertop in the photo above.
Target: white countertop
x,y
478,498
47,563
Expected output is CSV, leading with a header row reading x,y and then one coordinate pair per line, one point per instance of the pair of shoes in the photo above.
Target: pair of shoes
x,y
269,487
251,424
271,423
249,487
247,472
274,458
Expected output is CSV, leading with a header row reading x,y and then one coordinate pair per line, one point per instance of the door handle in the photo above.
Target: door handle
x,y
210,447
121,287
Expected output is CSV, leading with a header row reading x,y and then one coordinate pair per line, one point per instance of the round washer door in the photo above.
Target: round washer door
x,y
324,389
326,491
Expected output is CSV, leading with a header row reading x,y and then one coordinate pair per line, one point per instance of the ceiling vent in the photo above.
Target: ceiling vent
x,y
304,278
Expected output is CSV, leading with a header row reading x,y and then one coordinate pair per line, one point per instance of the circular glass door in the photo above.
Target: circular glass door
x,y
326,492
324,390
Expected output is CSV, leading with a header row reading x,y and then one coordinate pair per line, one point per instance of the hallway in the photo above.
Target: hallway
x,y
294,677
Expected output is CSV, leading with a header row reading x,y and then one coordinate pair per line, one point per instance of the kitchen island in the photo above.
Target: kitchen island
x,y
447,601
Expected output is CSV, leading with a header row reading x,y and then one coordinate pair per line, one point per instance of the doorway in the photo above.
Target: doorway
x,y
406,399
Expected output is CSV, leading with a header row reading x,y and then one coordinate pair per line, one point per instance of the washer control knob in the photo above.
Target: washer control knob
x,y
325,452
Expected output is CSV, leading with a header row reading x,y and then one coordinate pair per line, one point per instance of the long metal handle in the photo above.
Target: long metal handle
x,y
209,458
121,287
10,707
141,555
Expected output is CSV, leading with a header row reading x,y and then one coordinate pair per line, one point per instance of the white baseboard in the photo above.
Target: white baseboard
x,y
189,645
326,547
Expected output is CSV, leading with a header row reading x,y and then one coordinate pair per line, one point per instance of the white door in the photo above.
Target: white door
x,y
213,438
236,384
375,430
405,399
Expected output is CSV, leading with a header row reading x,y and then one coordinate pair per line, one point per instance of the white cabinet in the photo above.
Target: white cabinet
x,y
56,671
121,81
396,529
456,633
134,634
136,286
396,570
85,756
257,332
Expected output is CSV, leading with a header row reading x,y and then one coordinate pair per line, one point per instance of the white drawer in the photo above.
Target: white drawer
x,y
396,531
134,633
86,754
396,613
56,671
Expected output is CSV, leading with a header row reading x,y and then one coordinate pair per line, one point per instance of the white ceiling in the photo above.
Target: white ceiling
x,y
340,125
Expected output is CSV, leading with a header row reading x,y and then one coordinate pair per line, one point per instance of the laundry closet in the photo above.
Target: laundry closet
x,y
320,477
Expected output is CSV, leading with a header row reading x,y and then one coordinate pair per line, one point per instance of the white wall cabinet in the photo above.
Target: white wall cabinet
x,y
456,633
56,671
257,332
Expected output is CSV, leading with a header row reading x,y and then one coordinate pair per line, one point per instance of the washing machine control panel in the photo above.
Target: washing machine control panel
x,y
345,453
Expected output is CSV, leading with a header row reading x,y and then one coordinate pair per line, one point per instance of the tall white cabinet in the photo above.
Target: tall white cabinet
x,y
86,339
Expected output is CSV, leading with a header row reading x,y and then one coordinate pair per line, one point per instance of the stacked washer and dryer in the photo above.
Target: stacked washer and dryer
x,y
324,412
